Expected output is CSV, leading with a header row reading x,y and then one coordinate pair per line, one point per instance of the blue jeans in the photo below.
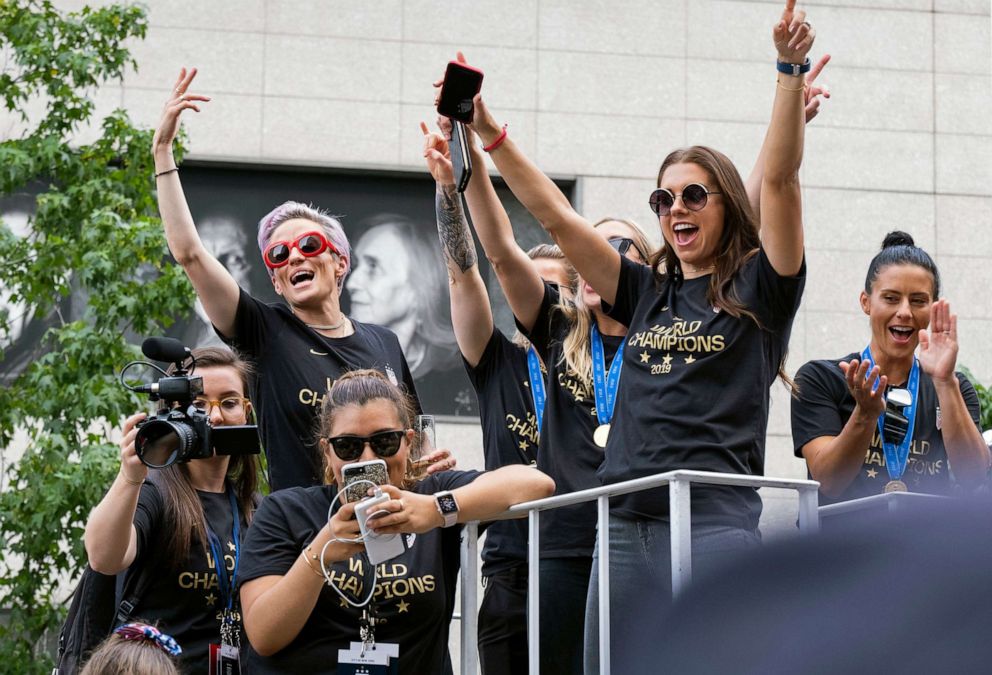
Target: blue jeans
x,y
641,582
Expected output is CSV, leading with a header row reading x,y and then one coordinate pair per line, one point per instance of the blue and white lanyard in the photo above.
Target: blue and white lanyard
x,y
897,456
536,385
605,384
227,585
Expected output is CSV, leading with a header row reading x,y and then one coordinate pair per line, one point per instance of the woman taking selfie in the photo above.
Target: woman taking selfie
x,y
173,524
709,322
296,349
299,544
890,418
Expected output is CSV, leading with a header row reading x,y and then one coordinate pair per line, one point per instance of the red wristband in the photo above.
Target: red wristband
x,y
498,142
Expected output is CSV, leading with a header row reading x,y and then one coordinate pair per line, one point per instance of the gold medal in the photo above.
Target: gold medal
x,y
601,435
896,486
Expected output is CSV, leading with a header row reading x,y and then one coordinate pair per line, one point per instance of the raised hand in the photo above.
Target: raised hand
x,y
869,397
939,347
793,35
813,91
178,101
438,156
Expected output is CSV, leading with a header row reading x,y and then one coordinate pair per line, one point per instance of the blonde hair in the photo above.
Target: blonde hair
x,y
576,348
360,387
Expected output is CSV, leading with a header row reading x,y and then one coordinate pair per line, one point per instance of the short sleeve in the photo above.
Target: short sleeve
x,y
971,400
550,322
635,279
778,297
269,547
491,360
251,325
815,410
147,516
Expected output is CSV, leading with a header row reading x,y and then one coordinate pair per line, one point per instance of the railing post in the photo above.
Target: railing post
x,y
533,593
809,516
679,510
470,600
603,534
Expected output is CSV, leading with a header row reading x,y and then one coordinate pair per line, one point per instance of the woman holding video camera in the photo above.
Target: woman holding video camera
x,y
297,349
889,419
173,524
715,306
303,540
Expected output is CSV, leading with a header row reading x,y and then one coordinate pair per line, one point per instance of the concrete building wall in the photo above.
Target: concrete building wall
x,y
602,91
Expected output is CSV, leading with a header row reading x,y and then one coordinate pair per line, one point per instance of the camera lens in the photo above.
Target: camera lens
x,y
160,443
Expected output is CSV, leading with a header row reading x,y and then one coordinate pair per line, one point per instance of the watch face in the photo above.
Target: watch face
x,y
447,503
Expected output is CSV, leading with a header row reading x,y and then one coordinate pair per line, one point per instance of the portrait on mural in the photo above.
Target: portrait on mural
x,y
398,279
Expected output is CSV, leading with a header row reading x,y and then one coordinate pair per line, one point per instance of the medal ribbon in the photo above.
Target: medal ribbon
x,y
897,456
604,384
227,585
536,385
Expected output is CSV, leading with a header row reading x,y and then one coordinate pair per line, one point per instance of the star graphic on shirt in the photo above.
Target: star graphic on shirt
x,y
524,445
667,361
403,606
231,546
645,357
872,473
211,599
343,603
916,480
690,359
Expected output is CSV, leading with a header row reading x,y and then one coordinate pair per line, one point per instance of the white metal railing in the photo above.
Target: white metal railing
x,y
679,511
890,501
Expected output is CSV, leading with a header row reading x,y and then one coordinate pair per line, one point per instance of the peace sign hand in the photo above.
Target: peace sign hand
x,y
179,101
813,92
438,157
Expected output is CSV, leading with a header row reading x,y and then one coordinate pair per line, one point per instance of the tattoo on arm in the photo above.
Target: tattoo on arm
x,y
452,228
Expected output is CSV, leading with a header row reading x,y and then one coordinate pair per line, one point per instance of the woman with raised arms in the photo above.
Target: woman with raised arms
x,y
709,318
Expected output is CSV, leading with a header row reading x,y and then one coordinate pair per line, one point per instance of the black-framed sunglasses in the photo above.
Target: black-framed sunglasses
x,y
383,444
694,197
623,244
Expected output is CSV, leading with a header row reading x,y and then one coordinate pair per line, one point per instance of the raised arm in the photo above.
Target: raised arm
x,y
216,288
471,315
811,96
110,538
593,258
781,200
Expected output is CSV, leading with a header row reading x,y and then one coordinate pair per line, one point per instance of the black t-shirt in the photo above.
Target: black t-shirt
x,y
293,367
567,451
185,601
825,405
694,390
414,596
509,436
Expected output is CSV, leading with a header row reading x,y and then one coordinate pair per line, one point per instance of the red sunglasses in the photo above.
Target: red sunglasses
x,y
308,244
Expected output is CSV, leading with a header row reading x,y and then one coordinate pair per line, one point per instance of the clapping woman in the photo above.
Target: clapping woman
x,y
894,416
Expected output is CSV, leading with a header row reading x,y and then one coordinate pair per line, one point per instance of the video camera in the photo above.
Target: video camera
x,y
179,432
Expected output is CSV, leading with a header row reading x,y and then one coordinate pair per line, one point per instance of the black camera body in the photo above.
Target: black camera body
x,y
178,432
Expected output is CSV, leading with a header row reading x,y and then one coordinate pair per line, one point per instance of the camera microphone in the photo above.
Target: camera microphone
x,y
165,349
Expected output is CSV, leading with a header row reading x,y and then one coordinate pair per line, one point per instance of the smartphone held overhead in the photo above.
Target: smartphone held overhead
x,y
461,84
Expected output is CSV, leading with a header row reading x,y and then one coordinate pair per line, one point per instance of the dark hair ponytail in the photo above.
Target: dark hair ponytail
x,y
898,248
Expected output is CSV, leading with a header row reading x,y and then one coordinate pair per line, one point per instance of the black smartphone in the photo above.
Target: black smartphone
x,y
461,84
461,161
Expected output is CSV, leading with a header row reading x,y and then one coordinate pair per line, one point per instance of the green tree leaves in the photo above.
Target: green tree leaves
x,y
93,268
